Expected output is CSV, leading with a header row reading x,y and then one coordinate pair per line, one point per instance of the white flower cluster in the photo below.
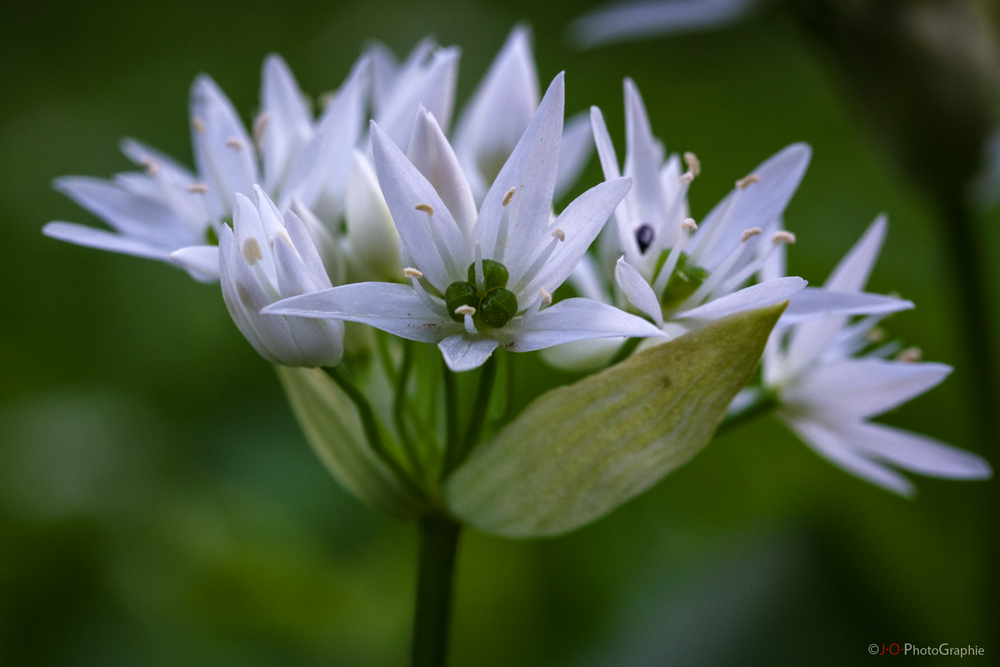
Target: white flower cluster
x,y
312,221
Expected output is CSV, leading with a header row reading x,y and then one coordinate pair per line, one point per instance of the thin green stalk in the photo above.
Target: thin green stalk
x,y
625,351
438,545
455,456
382,343
765,404
369,423
399,407
450,413
510,377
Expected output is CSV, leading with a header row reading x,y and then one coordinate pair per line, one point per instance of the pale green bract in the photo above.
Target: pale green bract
x,y
578,452
333,428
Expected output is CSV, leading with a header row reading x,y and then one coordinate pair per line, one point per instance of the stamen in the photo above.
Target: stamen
x,y
750,233
426,208
410,272
470,326
693,164
559,234
251,251
234,143
151,166
689,225
197,188
783,237
508,197
428,300
198,124
545,296
910,355
260,125
667,270
745,183
686,178
877,335
719,275
465,310
480,273
536,266
500,247
327,97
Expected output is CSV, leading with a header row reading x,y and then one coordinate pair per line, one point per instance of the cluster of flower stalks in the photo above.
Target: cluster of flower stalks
x,y
392,267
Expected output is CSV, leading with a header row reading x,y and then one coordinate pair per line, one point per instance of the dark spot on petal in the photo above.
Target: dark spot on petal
x,y
644,237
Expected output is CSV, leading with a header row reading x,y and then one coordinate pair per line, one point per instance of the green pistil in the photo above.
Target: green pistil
x,y
684,281
495,305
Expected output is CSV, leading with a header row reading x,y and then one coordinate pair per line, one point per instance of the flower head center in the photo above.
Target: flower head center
x,y
495,305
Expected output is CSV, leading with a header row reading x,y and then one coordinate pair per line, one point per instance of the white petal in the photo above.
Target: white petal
x,y
384,71
755,296
643,159
251,237
432,86
388,306
329,250
832,446
582,355
605,147
574,152
863,387
433,156
758,205
819,302
852,272
917,453
104,240
143,155
444,261
587,280
319,176
302,240
287,126
143,218
580,222
570,320
498,112
374,241
531,169
223,151
464,352
635,20
202,259
638,291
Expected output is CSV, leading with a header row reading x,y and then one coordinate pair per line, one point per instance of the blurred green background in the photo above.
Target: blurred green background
x,y
159,505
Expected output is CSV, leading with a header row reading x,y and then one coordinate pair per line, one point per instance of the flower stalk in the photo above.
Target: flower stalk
x,y
438,545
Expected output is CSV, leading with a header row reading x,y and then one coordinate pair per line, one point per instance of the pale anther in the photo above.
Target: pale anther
x,y
465,310
910,355
198,124
508,197
783,237
251,251
198,188
260,125
694,165
326,98
151,167
559,234
745,183
750,233
546,297
877,335
426,208
410,272
234,143
689,225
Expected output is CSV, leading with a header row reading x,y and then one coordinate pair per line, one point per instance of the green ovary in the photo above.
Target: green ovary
x,y
684,281
495,306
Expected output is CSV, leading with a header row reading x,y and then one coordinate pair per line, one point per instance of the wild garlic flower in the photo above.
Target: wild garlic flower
x,y
481,279
682,274
265,257
830,376
166,208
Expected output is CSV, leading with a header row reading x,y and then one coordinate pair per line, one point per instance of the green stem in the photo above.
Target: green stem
x,y
399,408
369,423
438,544
625,351
450,414
765,404
487,380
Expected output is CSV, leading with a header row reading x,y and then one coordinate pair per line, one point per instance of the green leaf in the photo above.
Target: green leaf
x,y
334,430
578,452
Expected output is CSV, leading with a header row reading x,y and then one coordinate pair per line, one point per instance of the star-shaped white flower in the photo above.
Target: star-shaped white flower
x,y
683,275
481,279
828,388
266,257
167,208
